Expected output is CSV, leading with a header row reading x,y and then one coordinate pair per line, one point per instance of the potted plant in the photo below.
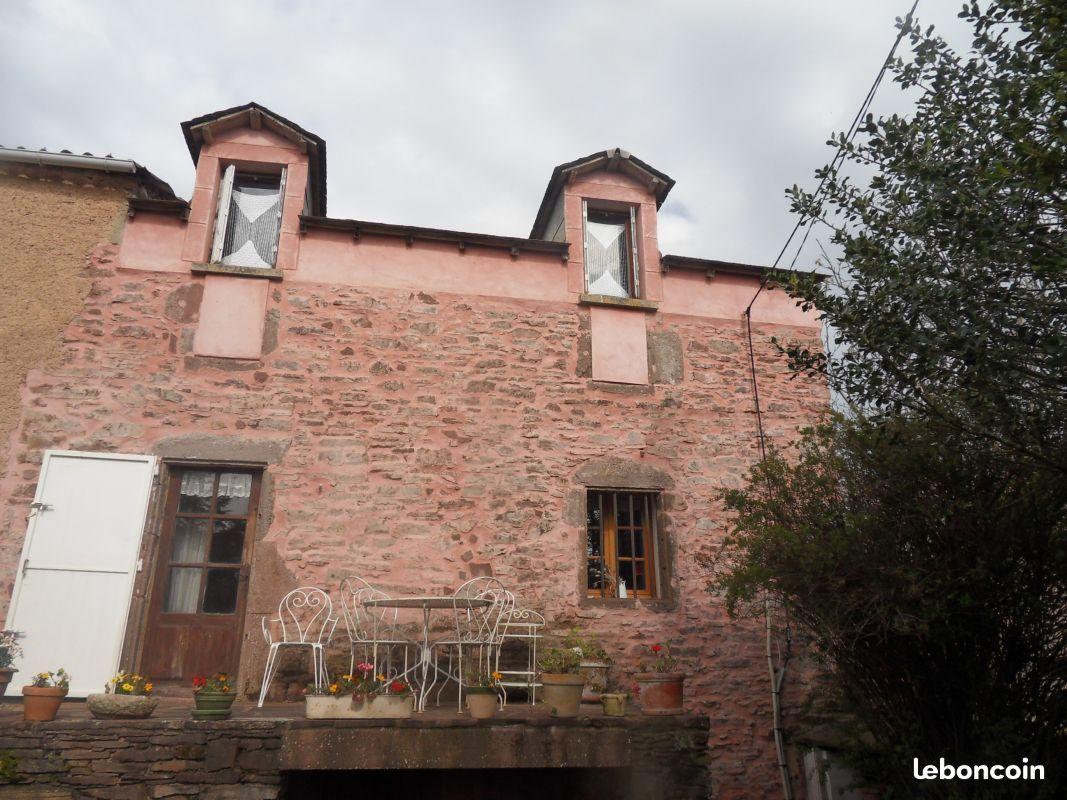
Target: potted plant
x,y
659,683
595,664
126,696
483,697
213,696
9,651
562,682
381,697
42,698
613,701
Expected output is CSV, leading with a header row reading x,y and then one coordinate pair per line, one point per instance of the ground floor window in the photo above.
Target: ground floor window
x,y
621,544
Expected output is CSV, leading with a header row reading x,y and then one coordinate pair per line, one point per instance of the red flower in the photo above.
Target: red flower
x,y
397,686
199,682
656,648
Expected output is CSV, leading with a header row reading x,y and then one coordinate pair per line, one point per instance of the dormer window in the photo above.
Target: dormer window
x,y
249,219
610,252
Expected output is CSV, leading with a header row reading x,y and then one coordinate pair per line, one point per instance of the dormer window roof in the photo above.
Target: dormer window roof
x,y
612,160
201,131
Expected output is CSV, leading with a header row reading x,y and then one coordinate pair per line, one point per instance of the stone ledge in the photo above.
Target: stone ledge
x,y
650,306
243,272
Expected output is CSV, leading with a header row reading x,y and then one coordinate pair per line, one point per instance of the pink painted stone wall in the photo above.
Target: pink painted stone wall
x,y
619,345
422,437
232,316
429,415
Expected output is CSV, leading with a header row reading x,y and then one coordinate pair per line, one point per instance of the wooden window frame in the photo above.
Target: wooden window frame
x,y
609,537
230,173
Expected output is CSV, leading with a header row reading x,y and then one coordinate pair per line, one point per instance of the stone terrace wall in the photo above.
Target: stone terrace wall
x,y
250,759
139,760
418,440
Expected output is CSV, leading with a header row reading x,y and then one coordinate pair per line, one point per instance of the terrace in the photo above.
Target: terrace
x,y
273,753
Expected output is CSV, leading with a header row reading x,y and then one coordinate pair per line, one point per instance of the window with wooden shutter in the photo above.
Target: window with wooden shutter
x,y
249,219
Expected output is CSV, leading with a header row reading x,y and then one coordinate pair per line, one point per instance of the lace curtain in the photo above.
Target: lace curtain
x,y
607,259
202,484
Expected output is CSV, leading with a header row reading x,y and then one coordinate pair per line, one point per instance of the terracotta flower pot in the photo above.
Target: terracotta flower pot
x,y
596,678
660,692
383,706
562,693
5,679
614,705
121,706
213,705
481,705
41,703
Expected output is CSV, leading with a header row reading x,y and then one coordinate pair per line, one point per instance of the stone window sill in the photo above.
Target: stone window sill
x,y
649,603
618,302
244,272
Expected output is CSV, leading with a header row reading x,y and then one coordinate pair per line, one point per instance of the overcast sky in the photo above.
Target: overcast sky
x,y
452,114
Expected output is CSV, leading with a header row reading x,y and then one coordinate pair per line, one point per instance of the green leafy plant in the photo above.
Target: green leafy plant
x,y
219,683
926,571
560,660
484,684
588,645
129,683
45,680
10,649
660,659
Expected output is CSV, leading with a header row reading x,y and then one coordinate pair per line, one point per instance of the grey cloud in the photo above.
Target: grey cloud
x,y
453,114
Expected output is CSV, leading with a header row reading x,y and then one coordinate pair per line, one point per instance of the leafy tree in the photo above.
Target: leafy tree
x,y
928,575
952,297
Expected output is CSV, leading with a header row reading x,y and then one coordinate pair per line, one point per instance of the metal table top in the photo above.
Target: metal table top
x,y
430,601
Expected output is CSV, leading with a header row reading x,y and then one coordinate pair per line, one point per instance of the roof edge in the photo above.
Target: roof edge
x,y
610,159
316,152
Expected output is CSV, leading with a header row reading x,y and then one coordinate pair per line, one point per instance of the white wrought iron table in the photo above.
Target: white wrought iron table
x,y
419,672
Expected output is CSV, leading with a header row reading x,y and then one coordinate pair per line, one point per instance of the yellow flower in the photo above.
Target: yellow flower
x,y
126,687
381,678
148,688
333,688
497,676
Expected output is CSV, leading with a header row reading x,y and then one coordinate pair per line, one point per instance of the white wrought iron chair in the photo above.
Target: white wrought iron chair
x,y
370,629
522,625
305,619
477,629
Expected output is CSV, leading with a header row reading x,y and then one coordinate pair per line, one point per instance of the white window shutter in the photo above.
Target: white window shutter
x,y
223,215
281,207
636,263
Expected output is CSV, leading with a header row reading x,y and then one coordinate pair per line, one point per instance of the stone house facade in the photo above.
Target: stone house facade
x,y
415,406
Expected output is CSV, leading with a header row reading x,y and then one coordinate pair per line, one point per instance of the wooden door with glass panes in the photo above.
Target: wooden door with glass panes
x,y
196,610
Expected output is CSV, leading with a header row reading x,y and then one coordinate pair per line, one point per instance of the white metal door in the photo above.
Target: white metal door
x,y
75,580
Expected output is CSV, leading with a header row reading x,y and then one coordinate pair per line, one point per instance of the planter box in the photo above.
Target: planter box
x,y
481,705
121,706
383,706
324,706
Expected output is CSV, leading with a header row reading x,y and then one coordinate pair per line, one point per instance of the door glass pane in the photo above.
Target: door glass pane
x,y
234,489
639,575
183,590
190,540
220,597
594,576
626,573
196,492
639,544
592,546
626,543
623,503
228,542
